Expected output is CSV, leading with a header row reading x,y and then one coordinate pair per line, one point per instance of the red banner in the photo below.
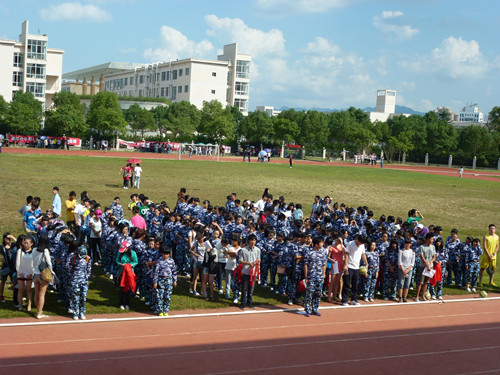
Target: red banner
x,y
29,139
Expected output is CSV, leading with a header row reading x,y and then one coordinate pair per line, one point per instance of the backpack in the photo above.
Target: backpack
x,y
124,172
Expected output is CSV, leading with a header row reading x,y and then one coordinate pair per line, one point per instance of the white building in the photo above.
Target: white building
x,y
268,109
28,65
386,106
471,113
226,79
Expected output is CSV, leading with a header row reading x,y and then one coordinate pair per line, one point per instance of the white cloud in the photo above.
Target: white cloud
x,y
284,7
75,12
175,45
391,29
454,58
255,42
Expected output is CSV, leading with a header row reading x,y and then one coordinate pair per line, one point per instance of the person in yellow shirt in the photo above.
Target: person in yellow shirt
x,y
489,258
70,206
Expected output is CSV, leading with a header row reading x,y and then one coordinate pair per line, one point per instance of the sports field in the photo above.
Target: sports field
x,y
466,204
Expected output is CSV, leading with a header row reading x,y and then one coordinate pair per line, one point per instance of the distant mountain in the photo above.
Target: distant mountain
x,y
399,109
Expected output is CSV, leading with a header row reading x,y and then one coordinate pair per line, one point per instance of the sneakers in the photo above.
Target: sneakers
x,y
70,311
221,291
190,291
195,293
317,313
386,298
235,301
307,315
83,317
163,314
440,298
473,289
271,289
228,296
75,317
345,304
366,300
127,307
290,302
277,292
111,277
405,300
469,290
370,299
122,307
242,307
493,284
42,316
354,303
433,297
417,299
251,307
2,299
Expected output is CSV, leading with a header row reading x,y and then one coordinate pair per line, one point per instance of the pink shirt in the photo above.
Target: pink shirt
x,y
138,221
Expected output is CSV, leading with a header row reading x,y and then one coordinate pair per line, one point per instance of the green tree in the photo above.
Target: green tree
x,y
258,128
105,115
4,108
285,130
160,118
313,127
67,117
474,140
139,119
25,114
403,142
494,119
216,122
182,119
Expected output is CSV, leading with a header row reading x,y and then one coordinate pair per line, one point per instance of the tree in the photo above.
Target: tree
x,y
216,122
160,117
139,119
258,127
285,130
105,115
403,142
313,127
4,108
182,119
25,114
494,119
68,117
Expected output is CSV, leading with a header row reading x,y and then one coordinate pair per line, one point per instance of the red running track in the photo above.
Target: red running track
x,y
426,338
474,174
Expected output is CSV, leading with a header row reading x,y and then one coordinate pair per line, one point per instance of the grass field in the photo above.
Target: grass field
x,y
466,204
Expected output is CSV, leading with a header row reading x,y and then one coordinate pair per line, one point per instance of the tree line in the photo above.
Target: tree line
x,y
350,129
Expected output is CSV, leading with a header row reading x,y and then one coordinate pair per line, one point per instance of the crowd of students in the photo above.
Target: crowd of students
x,y
337,253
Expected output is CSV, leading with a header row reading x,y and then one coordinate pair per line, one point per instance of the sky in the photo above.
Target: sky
x,y
305,53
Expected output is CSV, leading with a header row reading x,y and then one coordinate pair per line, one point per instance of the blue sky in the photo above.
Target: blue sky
x,y
306,53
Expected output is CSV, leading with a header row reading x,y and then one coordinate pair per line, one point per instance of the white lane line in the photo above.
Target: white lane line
x,y
274,368
255,347
366,321
229,313
496,371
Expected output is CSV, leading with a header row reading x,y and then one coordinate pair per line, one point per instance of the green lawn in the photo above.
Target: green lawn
x,y
466,204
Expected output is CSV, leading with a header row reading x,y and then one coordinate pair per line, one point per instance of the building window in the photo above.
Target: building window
x,y
126,81
180,72
162,91
214,74
163,75
140,93
174,93
131,80
17,79
179,89
168,76
242,104
141,80
157,77
35,71
241,88
130,93
37,49
18,59
174,74
186,88
166,92
213,92
187,71
242,69
37,89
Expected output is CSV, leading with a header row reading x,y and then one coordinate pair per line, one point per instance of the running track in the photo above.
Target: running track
x,y
475,174
426,338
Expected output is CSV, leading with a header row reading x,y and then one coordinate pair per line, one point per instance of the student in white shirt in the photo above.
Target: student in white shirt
x,y
137,176
355,250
